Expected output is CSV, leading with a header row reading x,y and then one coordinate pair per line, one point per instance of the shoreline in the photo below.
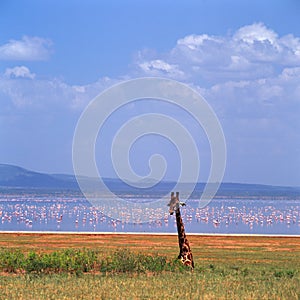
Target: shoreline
x,y
150,233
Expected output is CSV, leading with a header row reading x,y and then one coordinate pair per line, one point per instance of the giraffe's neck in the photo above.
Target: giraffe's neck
x,y
180,229
185,253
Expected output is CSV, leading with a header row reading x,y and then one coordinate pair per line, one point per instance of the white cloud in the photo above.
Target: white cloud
x,y
250,53
265,96
46,94
159,67
256,32
290,73
19,71
28,49
233,72
194,41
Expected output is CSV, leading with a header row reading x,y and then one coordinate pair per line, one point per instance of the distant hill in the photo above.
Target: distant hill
x,y
16,177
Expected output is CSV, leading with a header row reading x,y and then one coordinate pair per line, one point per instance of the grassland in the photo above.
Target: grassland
x,y
226,268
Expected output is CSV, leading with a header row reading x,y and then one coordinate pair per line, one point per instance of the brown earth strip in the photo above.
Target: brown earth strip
x,y
49,242
220,250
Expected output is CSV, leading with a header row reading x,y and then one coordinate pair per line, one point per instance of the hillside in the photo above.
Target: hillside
x,y
16,177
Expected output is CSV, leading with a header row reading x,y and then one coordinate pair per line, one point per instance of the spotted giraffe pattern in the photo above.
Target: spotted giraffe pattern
x,y
185,253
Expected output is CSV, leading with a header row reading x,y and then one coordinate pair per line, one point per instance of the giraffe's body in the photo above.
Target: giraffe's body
x,y
185,253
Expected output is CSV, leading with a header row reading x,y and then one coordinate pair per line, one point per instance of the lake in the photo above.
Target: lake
x,y
68,212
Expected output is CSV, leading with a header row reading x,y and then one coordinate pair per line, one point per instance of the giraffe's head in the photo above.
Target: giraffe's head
x,y
174,203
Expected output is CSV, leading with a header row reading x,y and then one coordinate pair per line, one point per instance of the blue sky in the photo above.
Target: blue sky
x,y
242,56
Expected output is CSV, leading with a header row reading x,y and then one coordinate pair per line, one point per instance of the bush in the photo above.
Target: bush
x,y
11,261
123,261
286,273
81,261
71,261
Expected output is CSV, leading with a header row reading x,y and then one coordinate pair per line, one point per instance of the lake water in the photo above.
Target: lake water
x,y
72,213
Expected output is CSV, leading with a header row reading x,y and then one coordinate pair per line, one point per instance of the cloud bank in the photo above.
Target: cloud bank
x,y
250,77
250,53
251,64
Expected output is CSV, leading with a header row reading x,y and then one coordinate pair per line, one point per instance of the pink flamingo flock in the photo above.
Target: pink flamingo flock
x,y
32,213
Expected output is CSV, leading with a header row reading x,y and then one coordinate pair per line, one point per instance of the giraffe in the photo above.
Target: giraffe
x,y
185,253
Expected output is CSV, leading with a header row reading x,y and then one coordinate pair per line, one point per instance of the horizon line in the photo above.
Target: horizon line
x,y
163,181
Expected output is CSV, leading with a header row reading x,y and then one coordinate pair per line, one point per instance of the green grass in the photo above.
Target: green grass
x,y
206,282
226,268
